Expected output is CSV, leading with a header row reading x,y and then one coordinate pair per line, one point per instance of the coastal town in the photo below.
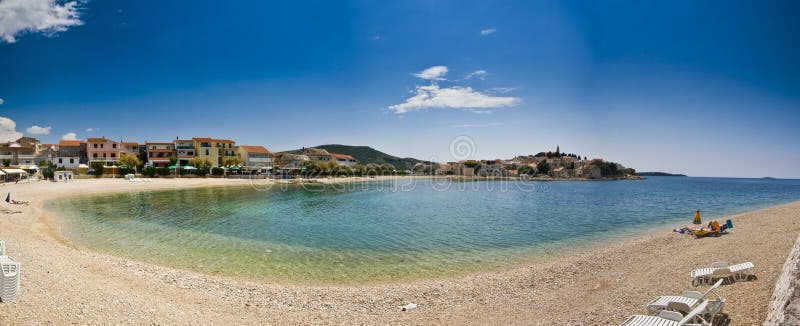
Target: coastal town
x,y
198,156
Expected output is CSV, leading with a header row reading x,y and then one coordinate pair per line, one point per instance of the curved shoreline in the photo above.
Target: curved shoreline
x,y
61,283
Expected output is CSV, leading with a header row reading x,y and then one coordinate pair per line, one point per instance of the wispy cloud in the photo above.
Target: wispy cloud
x,y
8,130
92,129
376,38
36,130
36,16
503,90
488,31
477,73
434,96
432,73
455,97
69,136
2,101
484,125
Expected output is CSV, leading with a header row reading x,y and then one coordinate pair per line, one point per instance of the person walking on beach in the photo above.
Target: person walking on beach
x,y
697,218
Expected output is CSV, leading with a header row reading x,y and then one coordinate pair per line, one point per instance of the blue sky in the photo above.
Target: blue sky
x,y
706,89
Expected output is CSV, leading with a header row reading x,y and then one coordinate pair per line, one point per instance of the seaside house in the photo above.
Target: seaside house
x,y
216,150
184,150
588,172
317,155
255,156
21,152
159,153
343,159
108,151
47,153
71,153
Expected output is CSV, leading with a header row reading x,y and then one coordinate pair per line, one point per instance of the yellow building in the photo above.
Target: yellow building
x,y
215,150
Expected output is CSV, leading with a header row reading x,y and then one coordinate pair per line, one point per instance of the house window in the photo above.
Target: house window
x,y
206,152
104,155
95,145
71,161
61,161
113,155
113,145
94,155
101,145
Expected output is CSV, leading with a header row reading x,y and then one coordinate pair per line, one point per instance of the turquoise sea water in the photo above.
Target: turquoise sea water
x,y
394,230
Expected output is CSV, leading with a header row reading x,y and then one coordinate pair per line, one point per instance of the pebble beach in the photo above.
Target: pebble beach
x,y
602,284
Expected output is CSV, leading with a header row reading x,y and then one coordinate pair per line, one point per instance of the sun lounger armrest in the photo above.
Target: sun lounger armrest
x,y
692,294
671,315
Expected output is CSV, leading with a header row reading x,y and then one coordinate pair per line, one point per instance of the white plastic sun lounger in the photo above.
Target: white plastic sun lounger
x,y
683,303
670,318
9,279
720,270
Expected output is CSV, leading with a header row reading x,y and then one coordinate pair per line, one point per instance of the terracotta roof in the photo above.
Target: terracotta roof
x,y
254,149
96,140
213,140
129,143
70,142
342,156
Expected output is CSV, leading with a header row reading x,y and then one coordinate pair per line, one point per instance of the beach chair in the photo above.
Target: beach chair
x,y
741,271
670,318
683,303
9,279
720,270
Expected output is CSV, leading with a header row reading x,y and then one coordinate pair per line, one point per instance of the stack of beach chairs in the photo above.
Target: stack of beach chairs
x,y
9,278
693,307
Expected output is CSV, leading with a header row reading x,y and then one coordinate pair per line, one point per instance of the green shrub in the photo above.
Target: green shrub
x,y
162,171
149,172
97,168
217,171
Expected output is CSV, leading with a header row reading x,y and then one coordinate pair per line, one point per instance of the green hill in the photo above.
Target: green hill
x,y
367,155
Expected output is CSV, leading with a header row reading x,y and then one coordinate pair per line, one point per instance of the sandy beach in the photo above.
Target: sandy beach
x,y
62,283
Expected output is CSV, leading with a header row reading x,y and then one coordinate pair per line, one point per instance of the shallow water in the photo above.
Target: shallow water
x,y
393,230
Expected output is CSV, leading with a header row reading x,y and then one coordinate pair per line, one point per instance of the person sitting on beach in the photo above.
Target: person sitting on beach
x,y
17,202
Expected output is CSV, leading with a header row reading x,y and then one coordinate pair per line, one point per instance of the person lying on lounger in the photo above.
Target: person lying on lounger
x,y
17,202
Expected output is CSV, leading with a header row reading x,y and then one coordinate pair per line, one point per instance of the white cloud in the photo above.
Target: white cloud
x,y
2,101
69,136
8,130
89,129
432,73
36,130
477,73
455,97
32,16
488,31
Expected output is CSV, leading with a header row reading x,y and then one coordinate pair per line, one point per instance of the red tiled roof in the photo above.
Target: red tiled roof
x,y
70,142
96,140
254,149
342,156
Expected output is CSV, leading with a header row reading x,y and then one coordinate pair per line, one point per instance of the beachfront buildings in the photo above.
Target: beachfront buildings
x,y
344,159
215,150
109,151
71,153
184,150
255,156
159,154
20,152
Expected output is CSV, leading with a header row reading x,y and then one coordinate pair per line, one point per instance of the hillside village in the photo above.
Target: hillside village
x,y
198,156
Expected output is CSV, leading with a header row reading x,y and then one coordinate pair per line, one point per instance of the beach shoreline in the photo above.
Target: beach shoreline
x,y
613,281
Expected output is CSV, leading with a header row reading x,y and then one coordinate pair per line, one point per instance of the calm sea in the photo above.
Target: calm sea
x,y
394,230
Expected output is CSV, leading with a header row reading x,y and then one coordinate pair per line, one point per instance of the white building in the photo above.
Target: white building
x,y
67,162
